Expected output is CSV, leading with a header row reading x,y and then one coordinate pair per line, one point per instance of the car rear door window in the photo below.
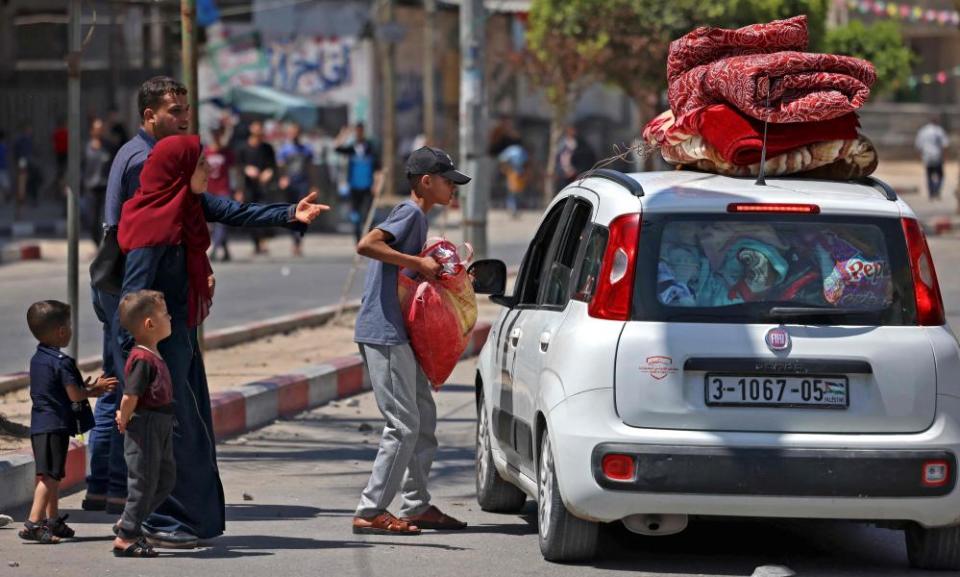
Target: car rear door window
x,y
757,268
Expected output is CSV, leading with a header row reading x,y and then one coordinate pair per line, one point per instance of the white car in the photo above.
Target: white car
x,y
685,344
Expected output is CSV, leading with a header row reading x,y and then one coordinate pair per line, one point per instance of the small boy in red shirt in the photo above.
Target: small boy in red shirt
x,y
146,419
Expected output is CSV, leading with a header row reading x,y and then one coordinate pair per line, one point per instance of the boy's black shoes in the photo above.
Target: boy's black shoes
x,y
39,532
171,539
59,527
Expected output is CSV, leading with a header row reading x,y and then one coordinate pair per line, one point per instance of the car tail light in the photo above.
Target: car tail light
x,y
936,473
615,286
618,467
925,286
766,207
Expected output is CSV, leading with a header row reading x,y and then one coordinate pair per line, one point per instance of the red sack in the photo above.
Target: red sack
x,y
439,315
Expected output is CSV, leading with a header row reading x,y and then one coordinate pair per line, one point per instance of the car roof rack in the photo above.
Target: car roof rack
x,y
882,186
616,176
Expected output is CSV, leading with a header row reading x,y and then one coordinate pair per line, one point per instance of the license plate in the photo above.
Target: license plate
x,y
818,392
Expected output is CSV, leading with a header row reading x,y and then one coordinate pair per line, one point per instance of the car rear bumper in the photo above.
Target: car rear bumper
x,y
791,475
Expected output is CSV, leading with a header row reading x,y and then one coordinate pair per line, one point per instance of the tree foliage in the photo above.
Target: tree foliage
x,y
882,44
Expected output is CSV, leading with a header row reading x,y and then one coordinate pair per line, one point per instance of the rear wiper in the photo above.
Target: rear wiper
x,y
802,312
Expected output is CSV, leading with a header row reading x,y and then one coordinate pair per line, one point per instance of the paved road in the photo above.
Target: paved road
x,y
250,289
304,475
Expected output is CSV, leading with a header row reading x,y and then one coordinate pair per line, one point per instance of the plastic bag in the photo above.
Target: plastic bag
x,y
439,314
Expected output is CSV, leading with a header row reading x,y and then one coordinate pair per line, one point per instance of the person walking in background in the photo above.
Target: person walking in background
x,y
61,147
574,157
96,169
931,140
363,170
5,185
259,163
116,131
220,183
27,175
294,161
514,164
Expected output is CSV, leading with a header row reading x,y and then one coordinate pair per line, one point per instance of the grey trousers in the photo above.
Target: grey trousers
x,y
151,468
409,442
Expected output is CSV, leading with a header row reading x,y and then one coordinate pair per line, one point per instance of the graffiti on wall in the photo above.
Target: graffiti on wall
x,y
310,65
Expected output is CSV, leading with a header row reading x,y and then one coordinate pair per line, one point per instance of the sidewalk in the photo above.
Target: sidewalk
x,y
910,181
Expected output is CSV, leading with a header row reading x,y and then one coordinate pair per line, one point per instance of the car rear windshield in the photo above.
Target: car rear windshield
x,y
758,268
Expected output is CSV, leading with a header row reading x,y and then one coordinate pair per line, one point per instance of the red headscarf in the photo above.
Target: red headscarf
x,y
164,211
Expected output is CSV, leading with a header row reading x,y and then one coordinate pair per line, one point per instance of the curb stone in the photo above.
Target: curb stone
x,y
235,411
19,252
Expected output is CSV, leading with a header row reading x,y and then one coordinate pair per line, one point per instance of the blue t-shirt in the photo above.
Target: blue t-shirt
x,y
379,321
50,373
296,158
124,177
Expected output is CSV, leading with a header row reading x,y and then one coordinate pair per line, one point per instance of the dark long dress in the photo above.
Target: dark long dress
x,y
196,505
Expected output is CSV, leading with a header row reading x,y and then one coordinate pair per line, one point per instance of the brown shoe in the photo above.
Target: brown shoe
x,y
433,518
384,524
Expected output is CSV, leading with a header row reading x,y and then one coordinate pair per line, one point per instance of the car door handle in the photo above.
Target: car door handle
x,y
544,342
515,336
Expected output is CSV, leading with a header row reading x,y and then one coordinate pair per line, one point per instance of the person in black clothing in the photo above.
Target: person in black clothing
x,y
574,157
363,171
259,164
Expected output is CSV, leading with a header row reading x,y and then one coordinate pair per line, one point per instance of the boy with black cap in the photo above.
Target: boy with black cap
x,y
409,442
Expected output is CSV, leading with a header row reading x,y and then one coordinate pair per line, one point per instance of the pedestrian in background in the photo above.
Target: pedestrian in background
x,y
220,183
294,161
59,411
408,443
5,185
96,169
931,141
514,165
574,157
363,172
27,172
61,148
164,111
163,233
259,163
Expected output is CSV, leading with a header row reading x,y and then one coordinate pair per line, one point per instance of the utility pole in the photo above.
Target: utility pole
x,y
188,34
476,203
387,46
429,72
73,173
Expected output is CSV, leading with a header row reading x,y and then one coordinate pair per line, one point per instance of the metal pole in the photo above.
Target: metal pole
x,y
188,26
429,72
472,33
73,174
388,57
188,62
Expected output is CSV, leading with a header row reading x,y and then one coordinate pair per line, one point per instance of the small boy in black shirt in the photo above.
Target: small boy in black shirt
x,y
59,394
146,419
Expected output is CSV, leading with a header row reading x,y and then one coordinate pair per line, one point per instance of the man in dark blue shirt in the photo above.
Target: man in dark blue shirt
x,y
164,111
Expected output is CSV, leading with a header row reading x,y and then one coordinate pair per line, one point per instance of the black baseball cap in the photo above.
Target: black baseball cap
x,y
428,160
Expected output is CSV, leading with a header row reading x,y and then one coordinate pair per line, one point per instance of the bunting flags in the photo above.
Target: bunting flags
x,y
905,12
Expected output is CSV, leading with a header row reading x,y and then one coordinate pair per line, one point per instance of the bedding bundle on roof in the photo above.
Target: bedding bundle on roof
x,y
723,85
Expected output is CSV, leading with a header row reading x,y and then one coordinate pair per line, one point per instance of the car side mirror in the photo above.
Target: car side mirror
x,y
489,276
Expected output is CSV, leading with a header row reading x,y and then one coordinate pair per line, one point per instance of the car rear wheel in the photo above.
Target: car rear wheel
x,y
563,537
937,548
493,493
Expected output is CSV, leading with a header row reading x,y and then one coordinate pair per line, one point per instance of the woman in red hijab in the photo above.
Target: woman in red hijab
x,y
163,232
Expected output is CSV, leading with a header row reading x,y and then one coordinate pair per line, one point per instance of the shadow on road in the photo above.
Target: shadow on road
x,y
234,546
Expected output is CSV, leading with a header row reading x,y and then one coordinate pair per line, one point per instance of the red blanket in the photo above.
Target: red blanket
x,y
706,44
739,139
761,71
799,87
